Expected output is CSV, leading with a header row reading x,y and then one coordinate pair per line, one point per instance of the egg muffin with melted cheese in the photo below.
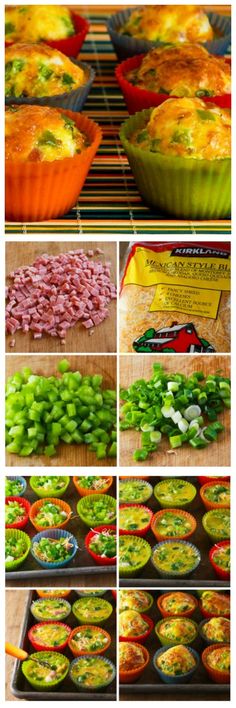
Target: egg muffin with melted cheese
x,y
38,70
132,624
186,127
182,70
41,133
176,630
131,656
169,23
176,661
35,23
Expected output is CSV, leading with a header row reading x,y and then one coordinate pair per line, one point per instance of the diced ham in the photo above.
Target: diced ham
x,y
55,292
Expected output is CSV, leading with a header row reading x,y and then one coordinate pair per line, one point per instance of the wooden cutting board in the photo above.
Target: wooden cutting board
x,y
67,455
140,366
78,339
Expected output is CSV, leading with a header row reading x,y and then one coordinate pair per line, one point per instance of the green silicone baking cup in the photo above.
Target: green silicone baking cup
x,y
171,643
184,187
145,554
17,533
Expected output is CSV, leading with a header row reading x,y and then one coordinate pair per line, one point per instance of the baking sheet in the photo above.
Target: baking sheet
x,y
65,691
204,575
87,566
150,682
110,202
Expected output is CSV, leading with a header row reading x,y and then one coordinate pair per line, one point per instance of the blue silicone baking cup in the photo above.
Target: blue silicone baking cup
x,y
82,687
184,678
126,46
73,101
56,534
22,481
175,574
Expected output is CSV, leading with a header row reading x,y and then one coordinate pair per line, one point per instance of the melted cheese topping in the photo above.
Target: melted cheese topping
x,y
169,23
38,70
134,600
219,659
40,133
34,23
183,70
217,629
130,656
187,127
176,661
178,602
132,624
178,630
216,603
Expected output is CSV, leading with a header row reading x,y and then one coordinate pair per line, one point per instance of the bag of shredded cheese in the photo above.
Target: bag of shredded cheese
x,y
175,297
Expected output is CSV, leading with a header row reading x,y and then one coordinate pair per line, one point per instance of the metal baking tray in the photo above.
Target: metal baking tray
x,y
150,683
87,566
66,691
204,575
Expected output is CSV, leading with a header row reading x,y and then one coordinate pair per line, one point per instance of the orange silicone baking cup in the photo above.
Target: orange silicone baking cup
x,y
210,504
180,512
35,508
38,191
134,674
86,492
76,652
215,674
165,613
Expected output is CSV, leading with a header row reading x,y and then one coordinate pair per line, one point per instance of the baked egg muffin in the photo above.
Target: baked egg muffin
x,y
182,70
132,624
41,133
35,23
217,629
176,661
35,70
186,127
169,23
131,656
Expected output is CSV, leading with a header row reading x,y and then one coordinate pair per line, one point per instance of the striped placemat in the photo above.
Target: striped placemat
x,y
110,202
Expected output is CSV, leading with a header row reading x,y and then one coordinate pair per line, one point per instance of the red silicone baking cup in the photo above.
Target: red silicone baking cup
x,y
208,614
205,480
26,506
134,674
222,574
137,99
70,46
142,638
40,647
216,675
137,532
76,652
98,559
38,191
165,613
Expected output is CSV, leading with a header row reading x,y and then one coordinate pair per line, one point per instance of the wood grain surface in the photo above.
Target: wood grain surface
x,y
15,608
67,455
140,366
78,339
